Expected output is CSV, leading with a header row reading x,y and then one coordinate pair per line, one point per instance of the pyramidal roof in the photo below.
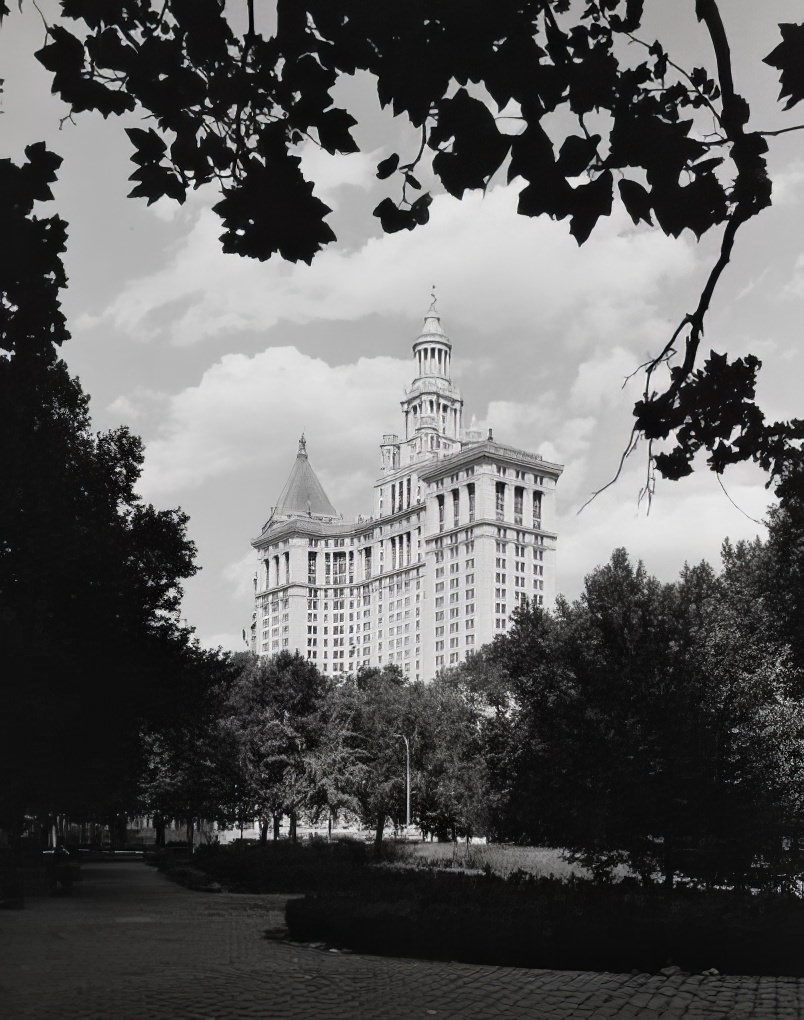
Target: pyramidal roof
x,y
303,494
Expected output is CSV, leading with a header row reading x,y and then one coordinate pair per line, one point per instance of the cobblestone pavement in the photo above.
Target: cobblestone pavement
x,y
129,945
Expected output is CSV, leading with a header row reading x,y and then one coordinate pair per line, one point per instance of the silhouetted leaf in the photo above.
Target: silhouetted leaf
x,y
387,166
478,148
64,55
392,218
273,211
636,201
420,209
576,154
333,131
788,59
150,147
590,202
155,182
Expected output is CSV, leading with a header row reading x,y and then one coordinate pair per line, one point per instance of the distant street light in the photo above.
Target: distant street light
x,y
407,779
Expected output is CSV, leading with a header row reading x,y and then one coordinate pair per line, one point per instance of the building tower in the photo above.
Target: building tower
x,y
462,530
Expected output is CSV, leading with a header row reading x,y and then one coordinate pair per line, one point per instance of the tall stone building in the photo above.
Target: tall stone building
x,y
461,531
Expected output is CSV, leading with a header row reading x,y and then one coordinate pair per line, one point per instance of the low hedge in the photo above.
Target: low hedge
x,y
552,924
283,866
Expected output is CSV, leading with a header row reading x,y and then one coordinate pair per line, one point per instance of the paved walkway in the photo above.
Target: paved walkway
x,y
129,945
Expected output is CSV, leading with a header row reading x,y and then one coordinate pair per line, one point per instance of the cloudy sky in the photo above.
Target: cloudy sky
x,y
220,364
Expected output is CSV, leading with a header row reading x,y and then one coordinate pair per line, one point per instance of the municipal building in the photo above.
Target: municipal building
x,y
462,529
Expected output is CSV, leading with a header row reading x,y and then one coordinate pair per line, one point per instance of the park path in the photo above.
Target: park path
x,y
130,945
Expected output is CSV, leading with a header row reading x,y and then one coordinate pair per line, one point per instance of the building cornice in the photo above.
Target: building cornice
x,y
485,450
310,527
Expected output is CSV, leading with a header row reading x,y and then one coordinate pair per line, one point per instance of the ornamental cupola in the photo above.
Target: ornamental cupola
x,y
432,404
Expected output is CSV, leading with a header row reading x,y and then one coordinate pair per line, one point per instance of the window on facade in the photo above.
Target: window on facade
x,y
440,501
499,505
470,489
456,507
537,509
519,496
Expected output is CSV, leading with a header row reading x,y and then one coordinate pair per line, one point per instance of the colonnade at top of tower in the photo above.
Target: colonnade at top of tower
x,y
432,350
432,359
432,402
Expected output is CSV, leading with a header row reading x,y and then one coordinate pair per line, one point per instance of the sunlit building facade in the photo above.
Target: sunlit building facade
x,y
462,529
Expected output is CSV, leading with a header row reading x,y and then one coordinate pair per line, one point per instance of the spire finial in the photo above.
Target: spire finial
x,y
302,446
432,310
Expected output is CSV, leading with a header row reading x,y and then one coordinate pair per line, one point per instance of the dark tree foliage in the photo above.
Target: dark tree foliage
x,y
89,573
783,580
652,725
189,770
273,718
450,789
382,710
602,115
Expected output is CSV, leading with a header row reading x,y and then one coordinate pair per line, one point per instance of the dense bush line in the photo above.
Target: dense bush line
x,y
283,866
547,923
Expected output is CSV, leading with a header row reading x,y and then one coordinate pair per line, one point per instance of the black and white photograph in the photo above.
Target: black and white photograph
x,y
401,509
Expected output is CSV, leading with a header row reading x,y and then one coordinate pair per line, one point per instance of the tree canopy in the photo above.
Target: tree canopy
x,y
90,574
656,725
573,99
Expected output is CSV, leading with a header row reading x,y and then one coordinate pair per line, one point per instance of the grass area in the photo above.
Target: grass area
x,y
497,859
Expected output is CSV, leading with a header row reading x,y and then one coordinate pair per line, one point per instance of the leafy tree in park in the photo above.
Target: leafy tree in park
x,y
190,768
449,771
648,724
334,766
750,688
782,580
527,707
571,98
380,710
273,713
89,573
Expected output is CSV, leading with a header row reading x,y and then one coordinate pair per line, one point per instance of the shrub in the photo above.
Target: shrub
x,y
283,866
533,922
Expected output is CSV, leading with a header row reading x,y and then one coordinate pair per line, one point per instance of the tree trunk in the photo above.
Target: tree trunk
x,y
292,825
263,831
329,829
190,832
277,822
159,830
379,830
